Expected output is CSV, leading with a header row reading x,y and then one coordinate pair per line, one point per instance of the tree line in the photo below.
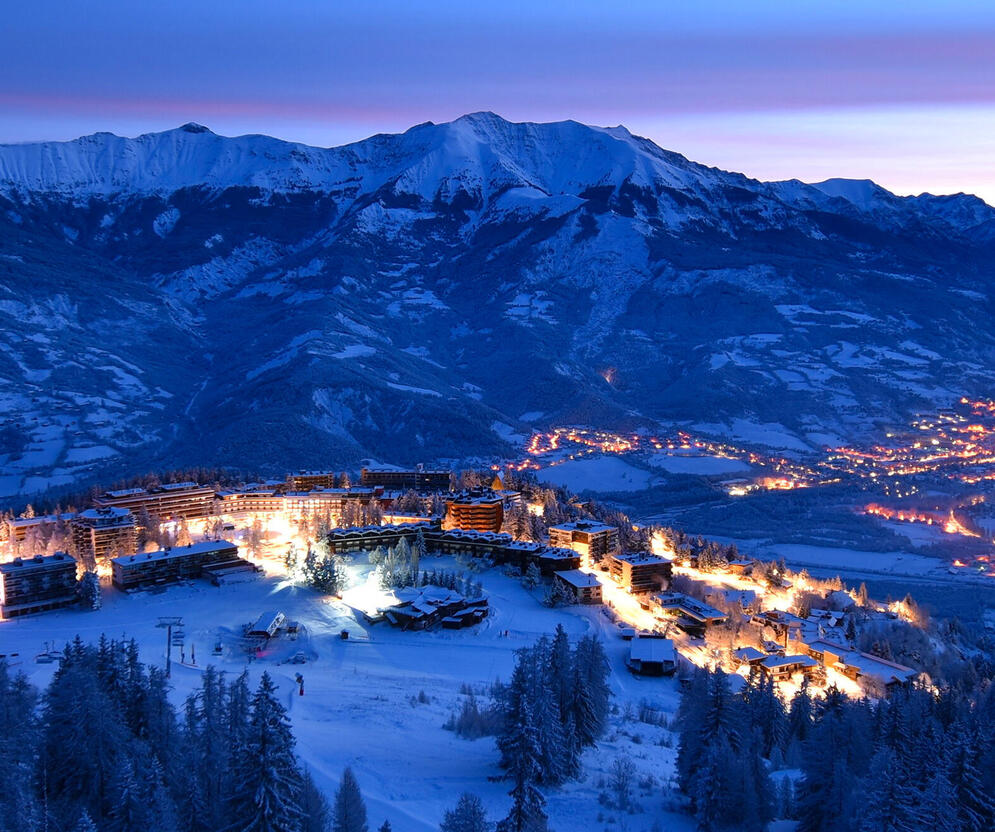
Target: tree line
x,y
920,759
102,748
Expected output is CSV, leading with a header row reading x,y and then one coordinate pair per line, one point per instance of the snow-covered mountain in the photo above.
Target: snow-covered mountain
x,y
184,297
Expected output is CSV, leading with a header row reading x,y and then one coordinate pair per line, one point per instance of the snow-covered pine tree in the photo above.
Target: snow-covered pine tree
x,y
419,550
532,577
267,782
84,824
467,816
89,590
349,808
19,730
527,812
976,809
937,810
591,693
560,666
128,805
84,739
316,813
889,801
341,570
550,740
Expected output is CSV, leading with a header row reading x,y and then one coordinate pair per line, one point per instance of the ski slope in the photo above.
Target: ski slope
x,y
361,706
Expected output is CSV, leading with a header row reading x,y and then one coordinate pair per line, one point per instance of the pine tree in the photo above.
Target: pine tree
x,y
467,816
890,801
19,732
267,782
976,809
532,577
591,692
89,590
527,808
349,809
85,823
938,808
128,806
317,814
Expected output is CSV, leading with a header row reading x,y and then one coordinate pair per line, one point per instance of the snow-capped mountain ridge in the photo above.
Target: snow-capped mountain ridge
x,y
186,297
473,152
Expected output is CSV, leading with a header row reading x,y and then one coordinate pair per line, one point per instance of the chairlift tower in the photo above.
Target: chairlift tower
x,y
167,622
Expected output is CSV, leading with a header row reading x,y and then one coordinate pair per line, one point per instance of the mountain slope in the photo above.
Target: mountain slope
x,y
183,297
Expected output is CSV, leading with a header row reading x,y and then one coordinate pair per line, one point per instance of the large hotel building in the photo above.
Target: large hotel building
x,y
588,538
416,480
99,533
477,509
174,500
34,584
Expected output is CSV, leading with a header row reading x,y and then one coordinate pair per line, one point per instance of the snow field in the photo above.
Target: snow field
x,y
361,706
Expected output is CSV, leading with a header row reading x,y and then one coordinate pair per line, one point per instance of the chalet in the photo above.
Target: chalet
x,y
739,567
640,572
652,656
782,668
746,598
748,656
583,587
424,607
691,615
785,625
861,666
36,584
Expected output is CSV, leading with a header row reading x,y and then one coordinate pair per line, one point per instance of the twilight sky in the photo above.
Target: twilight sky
x,y
902,92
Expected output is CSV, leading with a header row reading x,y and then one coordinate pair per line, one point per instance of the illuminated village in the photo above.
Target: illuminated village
x,y
678,601
938,473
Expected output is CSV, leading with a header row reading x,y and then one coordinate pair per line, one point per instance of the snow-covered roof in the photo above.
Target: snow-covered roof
x,y
688,605
177,552
589,526
772,662
748,654
578,579
652,650
637,558
109,513
37,562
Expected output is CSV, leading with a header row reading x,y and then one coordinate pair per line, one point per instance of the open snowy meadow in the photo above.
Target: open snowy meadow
x,y
378,700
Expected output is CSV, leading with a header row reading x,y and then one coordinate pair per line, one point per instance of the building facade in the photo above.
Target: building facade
x,y
100,533
171,564
171,501
582,587
35,584
640,572
310,480
476,509
592,540
418,479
